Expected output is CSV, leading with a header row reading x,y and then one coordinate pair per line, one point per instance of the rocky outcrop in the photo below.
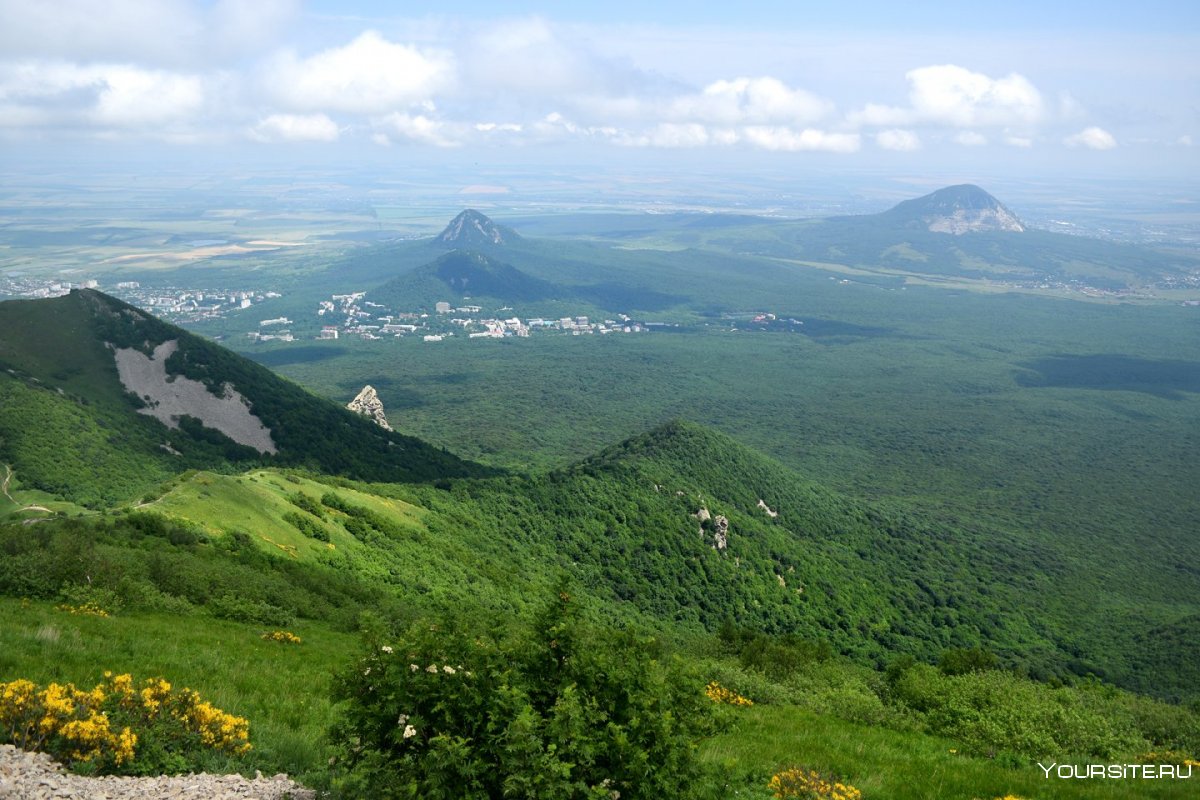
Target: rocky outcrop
x,y
167,398
35,776
770,511
368,404
472,229
720,532
956,210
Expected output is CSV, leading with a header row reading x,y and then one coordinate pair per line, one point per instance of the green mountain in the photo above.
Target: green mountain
x,y
956,209
463,274
468,274
103,401
473,230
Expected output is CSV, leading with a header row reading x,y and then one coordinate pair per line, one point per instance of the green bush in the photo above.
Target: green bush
x,y
554,709
240,609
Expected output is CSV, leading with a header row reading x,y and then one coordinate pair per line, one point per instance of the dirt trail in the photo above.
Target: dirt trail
x,y
8,473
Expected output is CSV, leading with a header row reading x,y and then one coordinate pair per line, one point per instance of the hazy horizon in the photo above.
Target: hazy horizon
x,y
1020,91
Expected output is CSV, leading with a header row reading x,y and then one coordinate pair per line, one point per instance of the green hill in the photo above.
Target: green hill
x,y
73,427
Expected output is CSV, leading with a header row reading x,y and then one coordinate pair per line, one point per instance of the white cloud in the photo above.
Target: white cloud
x,y
146,32
295,128
101,95
137,97
529,57
970,139
1092,138
370,75
1018,141
421,129
947,94
787,139
762,101
1184,141
899,140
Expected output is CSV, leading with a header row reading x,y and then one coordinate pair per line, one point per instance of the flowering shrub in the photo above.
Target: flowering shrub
x,y
809,784
1168,757
284,637
117,728
555,710
85,609
719,694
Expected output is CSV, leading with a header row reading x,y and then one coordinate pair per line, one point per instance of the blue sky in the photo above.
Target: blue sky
x,y
1017,85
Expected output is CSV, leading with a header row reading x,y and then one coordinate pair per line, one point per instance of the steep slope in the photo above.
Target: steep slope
x,y
956,210
102,401
463,274
687,525
473,230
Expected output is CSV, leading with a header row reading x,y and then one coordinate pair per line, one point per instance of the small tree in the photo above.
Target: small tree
x,y
552,709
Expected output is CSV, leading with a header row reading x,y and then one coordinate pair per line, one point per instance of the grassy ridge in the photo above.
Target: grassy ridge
x,y
894,764
283,690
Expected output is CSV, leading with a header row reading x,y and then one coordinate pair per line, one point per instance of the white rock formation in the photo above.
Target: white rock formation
x,y
368,404
168,398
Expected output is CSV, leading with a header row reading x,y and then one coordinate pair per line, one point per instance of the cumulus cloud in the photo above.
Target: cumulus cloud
x,y
970,138
1018,141
421,129
101,95
370,75
763,100
899,140
295,128
787,139
1092,138
947,94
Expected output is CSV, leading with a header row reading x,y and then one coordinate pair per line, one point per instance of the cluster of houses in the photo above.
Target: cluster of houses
x,y
15,285
171,303
352,315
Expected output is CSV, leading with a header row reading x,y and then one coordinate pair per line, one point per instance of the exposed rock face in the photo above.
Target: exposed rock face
x,y
169,397
471,229
720,532
368,404
770,512
957,210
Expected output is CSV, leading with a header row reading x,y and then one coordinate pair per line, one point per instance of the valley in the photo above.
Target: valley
x,y
824,485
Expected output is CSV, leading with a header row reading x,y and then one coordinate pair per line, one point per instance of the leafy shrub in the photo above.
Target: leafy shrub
x,y
307,525
556,709
960,661
240,609
305,502
115,728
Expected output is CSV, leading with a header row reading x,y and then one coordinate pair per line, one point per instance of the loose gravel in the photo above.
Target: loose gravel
x,y
36,776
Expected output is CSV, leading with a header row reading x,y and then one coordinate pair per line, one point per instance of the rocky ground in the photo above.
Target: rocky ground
x,y
35,776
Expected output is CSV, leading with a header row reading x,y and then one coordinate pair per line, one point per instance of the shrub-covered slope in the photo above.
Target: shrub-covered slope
x,y
71,428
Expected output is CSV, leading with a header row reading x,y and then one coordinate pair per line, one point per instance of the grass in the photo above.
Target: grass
x,y
256,502
899,766
282,689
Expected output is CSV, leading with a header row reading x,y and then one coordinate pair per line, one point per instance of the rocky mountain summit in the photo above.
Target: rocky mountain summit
x,y
473,229
957,210
368,404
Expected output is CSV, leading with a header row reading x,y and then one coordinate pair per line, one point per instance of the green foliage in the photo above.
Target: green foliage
x,y
306,502
960,661
558,709
71,429
308,526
